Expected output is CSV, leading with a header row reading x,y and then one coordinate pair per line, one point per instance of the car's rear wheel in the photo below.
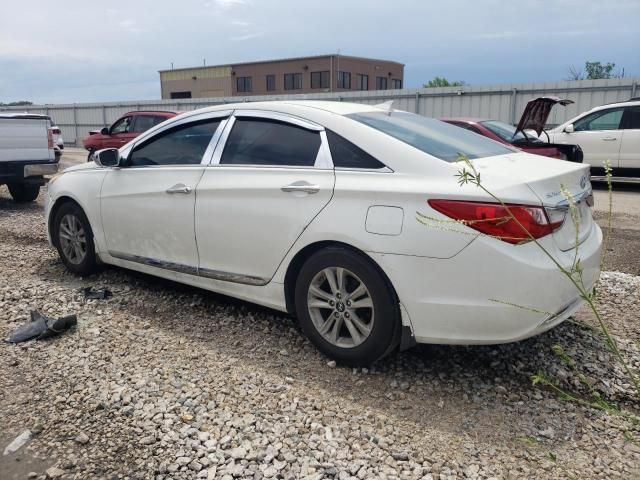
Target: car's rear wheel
x,y
24,192
73,239
346,307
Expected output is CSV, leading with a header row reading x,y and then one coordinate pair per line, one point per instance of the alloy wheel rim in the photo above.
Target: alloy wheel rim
x,y
73,240
341,307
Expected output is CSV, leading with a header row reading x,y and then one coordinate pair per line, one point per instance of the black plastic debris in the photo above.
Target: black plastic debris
x,y
41,327
91,294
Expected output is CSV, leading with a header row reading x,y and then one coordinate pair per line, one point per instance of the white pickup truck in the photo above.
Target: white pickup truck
x,y
26,154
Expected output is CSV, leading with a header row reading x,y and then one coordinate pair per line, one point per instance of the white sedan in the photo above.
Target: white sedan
x,y
312,208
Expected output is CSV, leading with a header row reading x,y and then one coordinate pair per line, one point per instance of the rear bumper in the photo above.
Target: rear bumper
x,y
491,292
26,171
40,169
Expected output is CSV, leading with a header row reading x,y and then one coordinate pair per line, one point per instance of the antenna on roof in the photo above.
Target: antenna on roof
x,y
386,106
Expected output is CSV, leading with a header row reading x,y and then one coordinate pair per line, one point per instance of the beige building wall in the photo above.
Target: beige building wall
x,y
222,81
201,82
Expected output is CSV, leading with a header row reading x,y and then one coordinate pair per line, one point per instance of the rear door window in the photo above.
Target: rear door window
x,y
347,155
631,120
142,123
157,120
260,141
181,145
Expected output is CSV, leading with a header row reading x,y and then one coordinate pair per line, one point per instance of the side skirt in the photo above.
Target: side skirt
x,y
189,270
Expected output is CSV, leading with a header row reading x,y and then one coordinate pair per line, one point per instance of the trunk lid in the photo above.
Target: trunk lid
x,y
546,178
536,113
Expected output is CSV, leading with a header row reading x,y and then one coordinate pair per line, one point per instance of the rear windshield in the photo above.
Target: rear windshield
x,y
508,132
442,140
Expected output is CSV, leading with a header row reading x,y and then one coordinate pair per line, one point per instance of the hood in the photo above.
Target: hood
x,y
536,113
81,166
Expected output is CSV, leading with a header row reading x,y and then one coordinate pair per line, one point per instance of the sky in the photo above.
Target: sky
x,y
81,51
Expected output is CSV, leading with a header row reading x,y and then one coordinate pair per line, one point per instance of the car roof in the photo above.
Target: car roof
x,y
295,106
153,112
627,103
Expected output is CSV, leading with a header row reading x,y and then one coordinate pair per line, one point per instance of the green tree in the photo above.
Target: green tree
x,y
594,71
21,103
443,82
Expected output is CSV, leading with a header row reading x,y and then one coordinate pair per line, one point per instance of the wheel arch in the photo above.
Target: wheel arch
x,y
296,263
59,202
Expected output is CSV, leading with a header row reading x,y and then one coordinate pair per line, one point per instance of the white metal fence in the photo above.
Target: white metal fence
x,y
502,102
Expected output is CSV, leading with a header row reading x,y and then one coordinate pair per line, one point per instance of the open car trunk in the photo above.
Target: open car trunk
x,y
535,117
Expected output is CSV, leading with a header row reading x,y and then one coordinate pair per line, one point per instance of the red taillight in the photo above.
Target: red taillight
x,y
498,221
50,137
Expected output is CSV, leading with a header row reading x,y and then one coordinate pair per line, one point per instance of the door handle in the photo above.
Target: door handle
x,y
301,187
609,139
179,188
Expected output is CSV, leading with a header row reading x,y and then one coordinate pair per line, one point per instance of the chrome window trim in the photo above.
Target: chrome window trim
x,y
150,134
384,169
323,158
222,142
211,148
283,117
190,270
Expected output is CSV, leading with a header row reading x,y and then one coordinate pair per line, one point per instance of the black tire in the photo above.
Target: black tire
x,y
24,192
90,155
384,333
81,265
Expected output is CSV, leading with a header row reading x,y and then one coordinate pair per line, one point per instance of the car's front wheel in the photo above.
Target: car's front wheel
x,y
24,192
73,239
346,307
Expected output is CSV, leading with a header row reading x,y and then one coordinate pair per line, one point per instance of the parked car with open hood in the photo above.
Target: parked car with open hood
x,y
125,129
532,121
310,208
609,132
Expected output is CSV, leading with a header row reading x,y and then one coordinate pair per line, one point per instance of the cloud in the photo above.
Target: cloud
x,y
248,36
225,4
498,35
114,51
129,25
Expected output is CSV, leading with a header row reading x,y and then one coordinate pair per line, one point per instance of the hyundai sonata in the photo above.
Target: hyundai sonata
x,y
312,208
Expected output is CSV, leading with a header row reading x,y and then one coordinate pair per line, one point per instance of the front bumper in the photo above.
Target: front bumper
x,y
491,292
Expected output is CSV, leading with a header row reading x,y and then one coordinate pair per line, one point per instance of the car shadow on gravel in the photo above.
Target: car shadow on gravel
x,y
8,205
477,390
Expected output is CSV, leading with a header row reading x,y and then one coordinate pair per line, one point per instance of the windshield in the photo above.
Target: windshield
x,y
443,141
506,131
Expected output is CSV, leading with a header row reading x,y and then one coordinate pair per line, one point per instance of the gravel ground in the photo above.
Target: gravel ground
x,y
168,381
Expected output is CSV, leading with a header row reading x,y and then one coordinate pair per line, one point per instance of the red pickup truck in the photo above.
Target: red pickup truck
x,y
123,130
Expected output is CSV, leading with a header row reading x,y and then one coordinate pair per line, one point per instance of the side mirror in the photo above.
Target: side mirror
x,y
109,157
569,128
105,131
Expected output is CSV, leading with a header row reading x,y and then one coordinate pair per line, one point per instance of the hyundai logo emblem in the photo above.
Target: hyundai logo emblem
x,y
583,181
